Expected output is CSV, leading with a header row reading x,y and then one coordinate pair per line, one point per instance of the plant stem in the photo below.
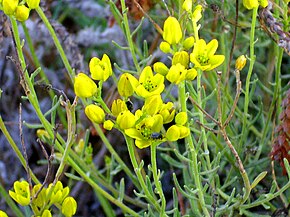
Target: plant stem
x,y
128,36
192,151
137,170
56,42
156,178
248,79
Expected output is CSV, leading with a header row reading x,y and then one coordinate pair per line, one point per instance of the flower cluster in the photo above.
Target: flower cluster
x,y
184,62
41,198
19,9
146,124
250,4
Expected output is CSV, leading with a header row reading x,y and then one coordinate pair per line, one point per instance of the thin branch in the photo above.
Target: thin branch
x,y
23,146
203,111
238,92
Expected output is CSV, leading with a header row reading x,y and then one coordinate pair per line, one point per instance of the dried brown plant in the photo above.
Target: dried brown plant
x,y
281,144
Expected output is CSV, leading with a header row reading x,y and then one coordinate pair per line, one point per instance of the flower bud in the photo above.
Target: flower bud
x,y
2,213
172,31
118,106
250,4
184,132
80,146
191,74
160,68
176,74
22,193
264,3
22,13
100,70
125,120
46,213
95,113
165,47
126,85
84,86
167,111
188,43
196,15
187,5
69,207
40,200
33,4
181,57
9,6
152,104
241,62
108,125
172,134
181,118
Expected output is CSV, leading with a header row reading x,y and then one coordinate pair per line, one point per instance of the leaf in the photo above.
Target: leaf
x,y
258,179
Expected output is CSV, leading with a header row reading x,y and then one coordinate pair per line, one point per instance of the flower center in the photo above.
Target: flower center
x,y
148,85
203,59
145,131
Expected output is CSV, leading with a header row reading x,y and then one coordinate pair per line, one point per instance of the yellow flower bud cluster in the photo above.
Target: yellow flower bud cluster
x,y
19,9
52,195
250,4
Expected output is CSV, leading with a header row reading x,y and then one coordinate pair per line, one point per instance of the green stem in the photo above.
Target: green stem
x,y
156,179
137,170
192,151
201,119
128,36
248,79
56,42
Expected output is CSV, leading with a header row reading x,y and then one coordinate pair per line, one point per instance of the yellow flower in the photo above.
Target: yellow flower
x,y
95,113
58,193
69,207
165,47
191,74
40,201
125,120
176,74
84,86
167,111
181,57
173,133
188,43
203,55
126,85
32,4
187,5
263,3
181,118
197,15
149,84
118,106
142,132
9,6
172,31
3,214
46,213
22,13
160,68
241,62
100,70
108,125
250,4
22,193
152,105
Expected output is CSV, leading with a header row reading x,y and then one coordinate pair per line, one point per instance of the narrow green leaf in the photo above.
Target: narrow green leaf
x,y
258,179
